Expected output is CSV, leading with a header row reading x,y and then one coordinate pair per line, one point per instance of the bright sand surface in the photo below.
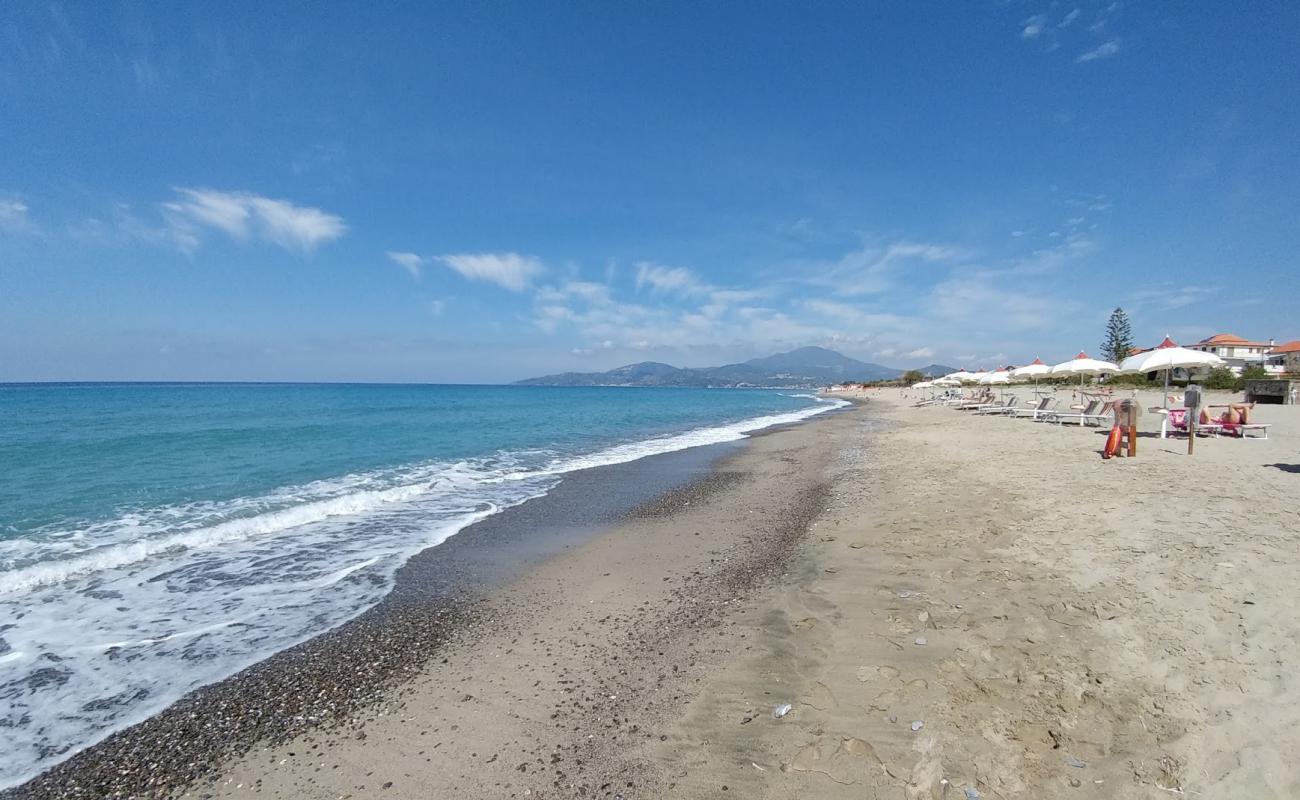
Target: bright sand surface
x,y
953,607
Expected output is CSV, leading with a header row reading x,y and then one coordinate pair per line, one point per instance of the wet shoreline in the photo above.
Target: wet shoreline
x,y
436,601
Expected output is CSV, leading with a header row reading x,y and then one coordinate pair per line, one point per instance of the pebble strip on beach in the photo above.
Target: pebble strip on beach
x,y
319,682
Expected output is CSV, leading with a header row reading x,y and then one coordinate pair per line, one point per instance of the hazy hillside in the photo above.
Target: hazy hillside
x,y
802,368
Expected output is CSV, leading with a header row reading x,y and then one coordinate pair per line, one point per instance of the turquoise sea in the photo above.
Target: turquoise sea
x,y
156,538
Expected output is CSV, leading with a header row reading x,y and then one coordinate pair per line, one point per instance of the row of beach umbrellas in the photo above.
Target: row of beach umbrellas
x,y
1165,357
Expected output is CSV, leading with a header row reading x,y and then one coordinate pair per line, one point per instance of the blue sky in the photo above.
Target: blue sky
x,y
487,191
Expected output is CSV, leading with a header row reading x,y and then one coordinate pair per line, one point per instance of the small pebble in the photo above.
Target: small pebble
x,y
1074,762
920,640
971,794
917,725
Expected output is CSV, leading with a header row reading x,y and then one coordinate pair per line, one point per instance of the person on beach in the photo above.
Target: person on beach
x,y
1236,414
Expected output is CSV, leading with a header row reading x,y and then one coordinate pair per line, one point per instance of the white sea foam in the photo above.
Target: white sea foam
x,y
699,437
112,621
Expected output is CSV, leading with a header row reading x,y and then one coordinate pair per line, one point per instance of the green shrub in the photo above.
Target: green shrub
x,y
1138,381
1223,379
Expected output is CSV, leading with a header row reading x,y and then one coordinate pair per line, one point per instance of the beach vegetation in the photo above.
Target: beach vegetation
x,y
1119,337
1140,380
1221,378
912,376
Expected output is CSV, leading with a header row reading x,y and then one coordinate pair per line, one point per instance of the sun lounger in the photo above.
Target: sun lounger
x,y
1092,414
1037,410
1175,421
1239,429
1006,407
970,405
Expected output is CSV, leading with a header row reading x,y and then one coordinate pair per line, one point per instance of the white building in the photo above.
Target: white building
x,y
1238,352
1284,358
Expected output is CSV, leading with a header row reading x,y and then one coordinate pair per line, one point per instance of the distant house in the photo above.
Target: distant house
x,y
1284,358
1238,352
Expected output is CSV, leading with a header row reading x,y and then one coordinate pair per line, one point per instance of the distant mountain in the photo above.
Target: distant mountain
x,y
936,370
803,368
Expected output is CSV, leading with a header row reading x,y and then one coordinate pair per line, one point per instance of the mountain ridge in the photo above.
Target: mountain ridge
x,y
802,368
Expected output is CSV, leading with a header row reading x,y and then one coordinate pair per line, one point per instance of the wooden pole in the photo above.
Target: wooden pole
x,y
1191,430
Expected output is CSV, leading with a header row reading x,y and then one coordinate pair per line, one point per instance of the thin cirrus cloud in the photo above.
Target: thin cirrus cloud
x,y
508,270
246,216
667,279
1033,27
13,216
410,262
1103,50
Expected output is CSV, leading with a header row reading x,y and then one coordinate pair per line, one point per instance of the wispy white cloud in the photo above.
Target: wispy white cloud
x,y
123,226
14,217
981,302
245,216
1103,50
507,270
1169,297
667,279
1033,27
1069,19
873,269
410,262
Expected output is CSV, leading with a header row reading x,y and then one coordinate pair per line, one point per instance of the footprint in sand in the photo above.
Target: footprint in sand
x,y
882,673
843,759
899,695
820,698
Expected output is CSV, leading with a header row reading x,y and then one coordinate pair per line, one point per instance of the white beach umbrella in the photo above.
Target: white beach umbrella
x,y
922,385
1032,371
999,378
960,376
1083,364
975,377
1166,357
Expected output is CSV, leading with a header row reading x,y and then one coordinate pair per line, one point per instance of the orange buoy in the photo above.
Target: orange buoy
x,y
1112,442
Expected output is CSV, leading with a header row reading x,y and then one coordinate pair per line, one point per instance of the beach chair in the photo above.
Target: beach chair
x,y
1006,407
974,403
1176,422
1092,414
1239,429
1040,408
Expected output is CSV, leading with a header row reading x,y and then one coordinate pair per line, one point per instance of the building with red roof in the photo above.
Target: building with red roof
x,y
1286,356
1238,352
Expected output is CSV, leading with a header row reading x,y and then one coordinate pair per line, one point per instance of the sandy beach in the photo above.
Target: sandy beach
x,y
951,607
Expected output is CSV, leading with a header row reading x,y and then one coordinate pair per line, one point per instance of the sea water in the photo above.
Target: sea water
x,y
156,538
